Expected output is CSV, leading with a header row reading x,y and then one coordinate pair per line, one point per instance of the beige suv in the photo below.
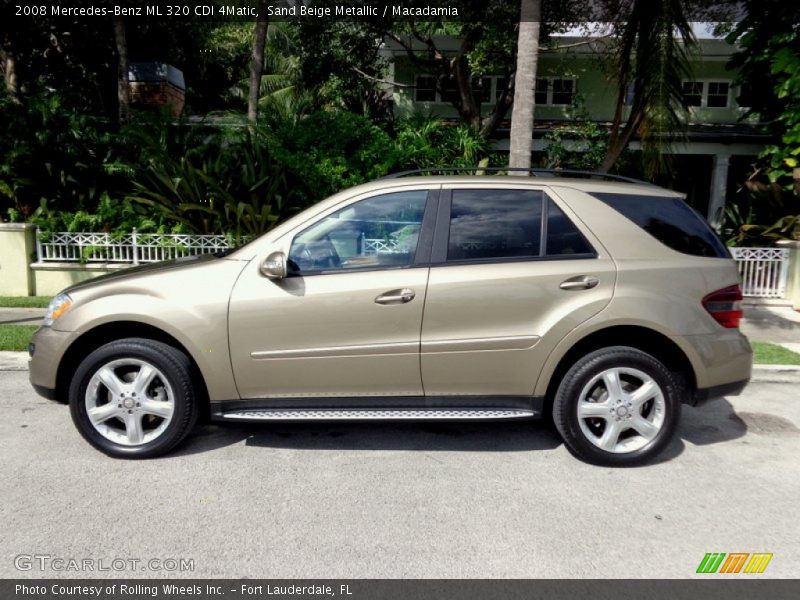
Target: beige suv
x,y
452,298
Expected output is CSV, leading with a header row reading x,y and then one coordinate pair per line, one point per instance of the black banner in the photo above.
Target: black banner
x,y
714,588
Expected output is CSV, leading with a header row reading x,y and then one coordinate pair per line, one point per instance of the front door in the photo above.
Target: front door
x,y
347,319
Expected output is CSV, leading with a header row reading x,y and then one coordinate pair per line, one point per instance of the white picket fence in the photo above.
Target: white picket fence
x,y
763,271
132,248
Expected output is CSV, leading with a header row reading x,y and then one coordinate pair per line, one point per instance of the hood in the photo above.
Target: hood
x,y
182,263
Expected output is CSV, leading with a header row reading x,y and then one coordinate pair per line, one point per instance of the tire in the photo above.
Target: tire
x,y
134,398
620,424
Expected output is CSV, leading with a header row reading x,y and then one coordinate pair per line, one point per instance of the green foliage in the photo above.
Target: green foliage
x,y
765,353
16,337
578,144
24,301
423,142
769,65
329,151
227,183
51,153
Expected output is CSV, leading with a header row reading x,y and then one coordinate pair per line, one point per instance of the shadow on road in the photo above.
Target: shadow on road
x,y
714,423
508,436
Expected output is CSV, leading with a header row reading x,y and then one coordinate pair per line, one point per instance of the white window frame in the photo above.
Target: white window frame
x,y
550,79
704,94
495,90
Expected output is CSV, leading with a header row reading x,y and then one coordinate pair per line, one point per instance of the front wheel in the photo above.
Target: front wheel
x,y
617,406
133,398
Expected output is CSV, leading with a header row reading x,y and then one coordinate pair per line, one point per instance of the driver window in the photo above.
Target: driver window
x,y
381,231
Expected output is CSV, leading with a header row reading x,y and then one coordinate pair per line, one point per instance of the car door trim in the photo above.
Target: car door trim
x,y
338,351
514,342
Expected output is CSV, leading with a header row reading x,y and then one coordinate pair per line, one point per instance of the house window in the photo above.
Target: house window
x,y
425,89
562,91
542,89
630,94
706,94
482,89
449,90
500,85
693,93
718,94
555,91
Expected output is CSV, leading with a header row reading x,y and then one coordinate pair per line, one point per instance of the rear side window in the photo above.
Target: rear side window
x,y
500,224
495,224
563,238
671,221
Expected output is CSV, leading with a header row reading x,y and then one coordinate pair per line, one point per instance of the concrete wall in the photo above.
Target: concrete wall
x,y
20,276
17,250
51,278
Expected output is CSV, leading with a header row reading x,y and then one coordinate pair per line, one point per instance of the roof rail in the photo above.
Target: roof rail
x,y
533,171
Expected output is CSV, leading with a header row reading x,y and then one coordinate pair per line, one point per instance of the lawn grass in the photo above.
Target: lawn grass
x,y
24,301
772,354
16,337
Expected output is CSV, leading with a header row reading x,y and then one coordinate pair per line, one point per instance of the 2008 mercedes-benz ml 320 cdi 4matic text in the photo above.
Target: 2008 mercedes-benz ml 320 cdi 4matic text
x,y
609,303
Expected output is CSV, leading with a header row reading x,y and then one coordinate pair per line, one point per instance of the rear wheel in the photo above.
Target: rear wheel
x,y
617,406
133,398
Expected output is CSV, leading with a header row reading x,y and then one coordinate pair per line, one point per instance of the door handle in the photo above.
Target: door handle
x,y
581,282
396,296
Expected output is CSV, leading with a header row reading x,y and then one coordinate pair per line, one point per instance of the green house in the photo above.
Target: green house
x,y
709,166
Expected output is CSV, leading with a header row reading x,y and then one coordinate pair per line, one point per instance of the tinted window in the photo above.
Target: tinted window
x,y
671,221
494,224
563,238
382,231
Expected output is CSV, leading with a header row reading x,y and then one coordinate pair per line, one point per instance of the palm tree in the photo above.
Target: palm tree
x,y
650,65
525,84
123,89
257,62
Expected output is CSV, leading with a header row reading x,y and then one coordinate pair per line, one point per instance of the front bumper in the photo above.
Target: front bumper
x,y
46,349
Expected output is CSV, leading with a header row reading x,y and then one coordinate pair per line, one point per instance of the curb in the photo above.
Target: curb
x,y
13,361
775,374
18,361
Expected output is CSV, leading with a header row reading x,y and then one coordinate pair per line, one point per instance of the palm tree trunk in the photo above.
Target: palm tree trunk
x,y
123,90
525,84
257,64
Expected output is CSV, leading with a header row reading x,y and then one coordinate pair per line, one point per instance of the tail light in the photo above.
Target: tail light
x,y
725,306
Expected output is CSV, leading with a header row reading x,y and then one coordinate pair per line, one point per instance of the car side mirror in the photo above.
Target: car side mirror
x,y
274,266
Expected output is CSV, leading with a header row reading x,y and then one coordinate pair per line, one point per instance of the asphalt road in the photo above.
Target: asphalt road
x,y
372,500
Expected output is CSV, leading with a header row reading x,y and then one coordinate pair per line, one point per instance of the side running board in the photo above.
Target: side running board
x,y
371,414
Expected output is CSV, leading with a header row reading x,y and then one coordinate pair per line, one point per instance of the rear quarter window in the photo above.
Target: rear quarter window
x,y
670,220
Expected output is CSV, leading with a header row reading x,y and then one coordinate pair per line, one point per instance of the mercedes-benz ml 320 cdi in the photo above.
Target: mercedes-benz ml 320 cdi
x,y
607,304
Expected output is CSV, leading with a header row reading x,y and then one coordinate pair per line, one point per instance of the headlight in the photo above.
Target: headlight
x,y
57,307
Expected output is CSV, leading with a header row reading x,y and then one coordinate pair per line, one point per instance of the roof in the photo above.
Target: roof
x,y
583,184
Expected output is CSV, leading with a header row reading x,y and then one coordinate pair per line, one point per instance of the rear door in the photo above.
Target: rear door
x,y
512,271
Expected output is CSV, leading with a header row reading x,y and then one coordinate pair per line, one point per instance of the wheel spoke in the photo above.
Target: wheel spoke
x,y
589,410
157,408
143,379
101,414
613,384
610,435
644,428
644,393
110,380
133,428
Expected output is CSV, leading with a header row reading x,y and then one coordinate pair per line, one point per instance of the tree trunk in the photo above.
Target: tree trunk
x,y
8,62
257,64
525,84
123,89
